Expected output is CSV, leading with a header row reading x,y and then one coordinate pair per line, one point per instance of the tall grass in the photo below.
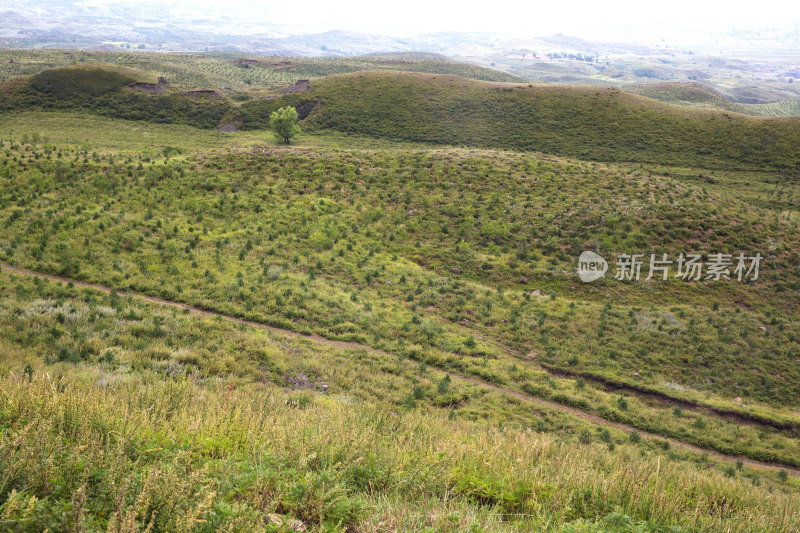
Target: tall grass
x,y
181,456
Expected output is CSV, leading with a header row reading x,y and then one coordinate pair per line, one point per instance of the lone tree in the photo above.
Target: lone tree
x,y
284,123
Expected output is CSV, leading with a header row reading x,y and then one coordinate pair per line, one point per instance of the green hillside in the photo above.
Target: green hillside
x,y
590,123
237,72
697,95
682,94
103,90
598,124
86,80
380,326
304,434
386,219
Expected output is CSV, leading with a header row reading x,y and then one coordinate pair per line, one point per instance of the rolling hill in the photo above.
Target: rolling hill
x,y
433,106
236,71
380,326
603,124
700,96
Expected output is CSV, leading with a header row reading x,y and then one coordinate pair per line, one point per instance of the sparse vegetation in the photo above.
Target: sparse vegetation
x,y
387,334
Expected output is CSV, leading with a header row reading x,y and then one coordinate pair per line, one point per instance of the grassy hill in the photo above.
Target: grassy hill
x,y
86,80
697,95
428,262
387,219
102,90
600,124
205,330
238,72
305,434
591,123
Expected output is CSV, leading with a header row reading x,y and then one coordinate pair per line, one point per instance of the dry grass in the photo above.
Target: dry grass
x,y
182,456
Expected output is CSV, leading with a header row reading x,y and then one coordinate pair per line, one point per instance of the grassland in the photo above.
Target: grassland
x,y
197,435
749,83
382,275
90,133
603,124
235,72
699,96
434,363
230,72
598,124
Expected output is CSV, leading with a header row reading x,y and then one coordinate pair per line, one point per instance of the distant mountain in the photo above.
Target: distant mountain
x,y
13,20
340,42
749,67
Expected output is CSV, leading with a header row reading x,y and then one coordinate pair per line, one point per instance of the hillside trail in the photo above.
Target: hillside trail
x,y
346,345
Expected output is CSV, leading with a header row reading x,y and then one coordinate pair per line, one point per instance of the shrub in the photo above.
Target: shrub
x,y
443,385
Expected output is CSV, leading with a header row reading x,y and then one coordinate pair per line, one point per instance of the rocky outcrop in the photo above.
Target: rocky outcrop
x,y
300,86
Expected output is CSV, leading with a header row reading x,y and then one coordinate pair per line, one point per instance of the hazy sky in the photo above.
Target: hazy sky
x,y
676,21
589,18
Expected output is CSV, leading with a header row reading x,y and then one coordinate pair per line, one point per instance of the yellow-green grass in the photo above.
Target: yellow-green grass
x,y
378,276
700,96
600,124
197,458
87,132
91,79
597,123
165,393
430,255
167,344
229,71
84,131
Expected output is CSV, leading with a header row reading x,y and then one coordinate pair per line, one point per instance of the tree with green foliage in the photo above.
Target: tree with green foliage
x,y
283,123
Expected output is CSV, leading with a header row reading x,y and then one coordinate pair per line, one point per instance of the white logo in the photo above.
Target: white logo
x,y
690,267
591,267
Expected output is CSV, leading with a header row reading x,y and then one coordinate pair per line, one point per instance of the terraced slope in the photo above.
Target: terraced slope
x,y
433,255
204,330
230,71
698,96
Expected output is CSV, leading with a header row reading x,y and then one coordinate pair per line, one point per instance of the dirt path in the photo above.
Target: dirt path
x,y
740,417
547,404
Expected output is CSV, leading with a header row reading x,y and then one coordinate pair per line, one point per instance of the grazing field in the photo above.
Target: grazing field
x,y
229,71
596,123
210,424
697,95
380,326
373,247
599,124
